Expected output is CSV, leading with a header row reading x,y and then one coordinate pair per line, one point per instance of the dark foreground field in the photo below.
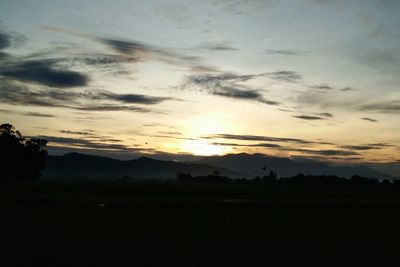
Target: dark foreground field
x,y
169,224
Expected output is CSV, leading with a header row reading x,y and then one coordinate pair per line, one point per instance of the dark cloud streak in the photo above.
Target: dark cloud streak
x,y
260,138
306,117
283,52
43,72
369,119
11,93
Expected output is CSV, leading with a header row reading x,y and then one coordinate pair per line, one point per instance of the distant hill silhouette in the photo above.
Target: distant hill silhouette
x,y
254,164
76,165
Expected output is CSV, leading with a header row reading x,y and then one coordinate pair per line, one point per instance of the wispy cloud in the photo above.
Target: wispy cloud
x,y
285,76
88,144
325,114
227,85
126,98
265,145
389,106
38,114
142,51
343,151
92,136
260,138
322,87
369,119
307,117
28,114
283,52
365,147
325,152
93,100
213,46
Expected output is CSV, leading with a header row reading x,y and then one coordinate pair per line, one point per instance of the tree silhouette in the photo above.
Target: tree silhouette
x,y
20,159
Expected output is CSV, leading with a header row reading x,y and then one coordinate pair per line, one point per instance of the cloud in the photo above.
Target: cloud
x,y
112,108
125,47
323,99
266,145
88,144
9,38
391,106
344,151
37,114
325,152
326,96
369,119
242,94
116,64
104,59
14,94
324,158
43,72
170,133
128,98
172,137
224,46
92,136
325,114
364,147
346,89
29,114
3,56
85,133
4,40
322,87
259,138
327,87
306,117
285,76
142,51
283,52
227,85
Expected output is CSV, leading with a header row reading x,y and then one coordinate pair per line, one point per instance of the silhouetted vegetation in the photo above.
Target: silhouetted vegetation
x,y
212,178
20,159
299,179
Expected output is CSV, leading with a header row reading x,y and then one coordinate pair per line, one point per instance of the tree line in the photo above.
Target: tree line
x,y
299,179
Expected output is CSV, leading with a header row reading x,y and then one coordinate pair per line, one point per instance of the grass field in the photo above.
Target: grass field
x,y
76,223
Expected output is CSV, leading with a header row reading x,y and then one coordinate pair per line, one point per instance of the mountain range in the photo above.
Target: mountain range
x,y
76,165
260,165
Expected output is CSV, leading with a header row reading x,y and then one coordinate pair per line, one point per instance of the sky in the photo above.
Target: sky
x,y
306,79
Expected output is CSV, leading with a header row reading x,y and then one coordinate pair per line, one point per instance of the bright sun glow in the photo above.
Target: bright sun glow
x,y
202,148
204,126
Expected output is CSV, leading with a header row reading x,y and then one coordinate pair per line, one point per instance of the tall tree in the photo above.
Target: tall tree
x,y
20,159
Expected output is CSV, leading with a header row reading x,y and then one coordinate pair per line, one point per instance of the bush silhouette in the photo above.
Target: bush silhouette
x,y
20,159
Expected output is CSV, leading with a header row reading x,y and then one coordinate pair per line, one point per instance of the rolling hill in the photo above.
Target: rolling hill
x,y
76,165
253,165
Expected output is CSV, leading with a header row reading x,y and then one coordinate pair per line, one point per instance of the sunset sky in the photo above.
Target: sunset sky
x,y
315,79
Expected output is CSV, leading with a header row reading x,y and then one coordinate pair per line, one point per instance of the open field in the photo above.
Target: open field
x,y
168,224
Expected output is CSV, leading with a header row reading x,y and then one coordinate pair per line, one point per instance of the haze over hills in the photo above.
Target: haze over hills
x,y
254,164
76,165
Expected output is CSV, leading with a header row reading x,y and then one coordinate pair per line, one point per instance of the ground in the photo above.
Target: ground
x,y
161,223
